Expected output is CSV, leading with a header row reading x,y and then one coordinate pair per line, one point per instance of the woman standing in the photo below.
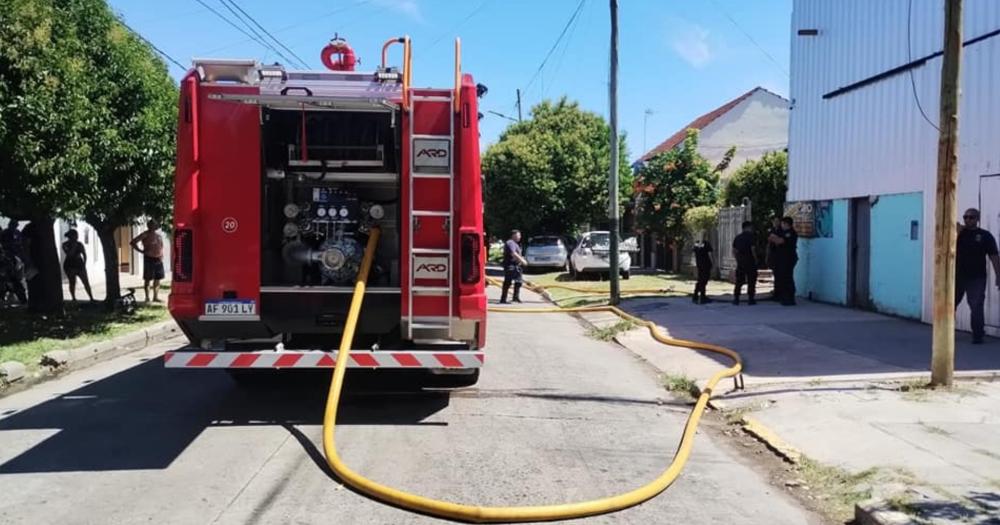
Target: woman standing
x,y
75,264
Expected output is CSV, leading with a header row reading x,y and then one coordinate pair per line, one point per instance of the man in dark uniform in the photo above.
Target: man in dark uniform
x,y
772,251
703,261
785,258
746,263
974,246
513,267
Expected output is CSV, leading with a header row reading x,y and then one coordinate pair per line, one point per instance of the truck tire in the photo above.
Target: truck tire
x,y
455,380
253,379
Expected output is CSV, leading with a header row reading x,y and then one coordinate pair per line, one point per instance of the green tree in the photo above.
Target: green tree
x,y
45,115
764,182
701,219
86,129
670,184
132,134
550,173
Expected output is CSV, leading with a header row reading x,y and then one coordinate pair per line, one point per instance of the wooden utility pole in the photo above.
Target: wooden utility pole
x,y
613,214
519,104
943,349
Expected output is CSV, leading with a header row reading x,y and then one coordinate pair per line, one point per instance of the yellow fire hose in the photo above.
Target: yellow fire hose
x,y
478,514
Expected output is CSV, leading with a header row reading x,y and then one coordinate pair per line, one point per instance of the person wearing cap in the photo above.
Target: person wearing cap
x,y
513,267
75,263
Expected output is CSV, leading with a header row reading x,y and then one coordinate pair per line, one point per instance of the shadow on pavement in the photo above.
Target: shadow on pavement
x,y
811,339
144,417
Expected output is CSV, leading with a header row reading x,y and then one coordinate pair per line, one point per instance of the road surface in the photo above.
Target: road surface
x,y
556,417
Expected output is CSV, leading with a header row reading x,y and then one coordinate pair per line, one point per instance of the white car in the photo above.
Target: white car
x,y
546,251
592,255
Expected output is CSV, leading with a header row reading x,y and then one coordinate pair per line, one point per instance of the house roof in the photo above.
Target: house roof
x,y
700,123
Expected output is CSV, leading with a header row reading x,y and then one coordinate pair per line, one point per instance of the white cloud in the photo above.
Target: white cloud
x,y
692,45
407,7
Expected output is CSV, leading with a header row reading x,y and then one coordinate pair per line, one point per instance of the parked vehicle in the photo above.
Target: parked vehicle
x,y
592,255
546,251
281,176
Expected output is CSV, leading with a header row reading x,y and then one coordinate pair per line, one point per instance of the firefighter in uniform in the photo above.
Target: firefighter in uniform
x,y
974,246
703,261
785,258
746,264
513,267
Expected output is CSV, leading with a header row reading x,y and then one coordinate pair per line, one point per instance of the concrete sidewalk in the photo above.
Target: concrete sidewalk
x,y
126,281
846,388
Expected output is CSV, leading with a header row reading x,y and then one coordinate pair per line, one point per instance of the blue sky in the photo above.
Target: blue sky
x,y
678,58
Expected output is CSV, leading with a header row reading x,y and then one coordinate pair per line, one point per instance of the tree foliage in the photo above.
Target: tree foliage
x,y
86,122
550,173
764,181
701,219
672,183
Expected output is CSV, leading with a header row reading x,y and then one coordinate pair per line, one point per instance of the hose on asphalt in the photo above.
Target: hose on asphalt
x,y
478,514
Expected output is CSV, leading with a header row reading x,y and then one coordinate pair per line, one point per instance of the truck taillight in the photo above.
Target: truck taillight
x,y
182,256
471,269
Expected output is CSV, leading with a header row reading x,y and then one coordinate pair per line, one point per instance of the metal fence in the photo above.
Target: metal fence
x,y
729,226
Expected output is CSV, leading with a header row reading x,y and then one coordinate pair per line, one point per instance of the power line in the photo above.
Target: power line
x,y
233,24
562,55
565,28
298,24
260,38
909,58
268,33
750,38
468,17
150,44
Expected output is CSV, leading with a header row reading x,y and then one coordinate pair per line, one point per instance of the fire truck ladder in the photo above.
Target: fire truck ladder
x,y
431,327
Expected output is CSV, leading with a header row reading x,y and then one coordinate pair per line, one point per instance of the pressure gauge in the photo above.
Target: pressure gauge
x,y
377,212
331,212
321,212
290,229
291,210
344,212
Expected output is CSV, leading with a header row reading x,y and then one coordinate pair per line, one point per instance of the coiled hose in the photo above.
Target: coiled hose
x,y
477,514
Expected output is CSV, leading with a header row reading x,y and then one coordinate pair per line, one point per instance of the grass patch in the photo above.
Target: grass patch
x,y
26,336
607,333
838,489
901,503
681,384
662,285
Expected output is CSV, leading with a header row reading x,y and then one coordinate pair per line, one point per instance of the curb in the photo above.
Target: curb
x,y
59,361
771,439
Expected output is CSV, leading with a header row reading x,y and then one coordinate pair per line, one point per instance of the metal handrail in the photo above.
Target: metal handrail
x,y
458,73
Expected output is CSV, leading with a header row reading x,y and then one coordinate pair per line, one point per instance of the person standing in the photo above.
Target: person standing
x,y
513,267
12,239
703,261
772,250
785,258
973,246
152,258
75,263
746,263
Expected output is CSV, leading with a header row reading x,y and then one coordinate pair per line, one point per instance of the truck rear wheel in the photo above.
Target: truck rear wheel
x,y
455,380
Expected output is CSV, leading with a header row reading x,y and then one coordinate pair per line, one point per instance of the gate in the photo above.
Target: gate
x,y
730,225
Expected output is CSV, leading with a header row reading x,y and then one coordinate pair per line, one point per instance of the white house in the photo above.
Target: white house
x,y
755,122
865,81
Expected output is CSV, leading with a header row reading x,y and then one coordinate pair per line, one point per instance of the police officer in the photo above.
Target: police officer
x,y
772,251
746,263
513,267
974,246
703,261
785,257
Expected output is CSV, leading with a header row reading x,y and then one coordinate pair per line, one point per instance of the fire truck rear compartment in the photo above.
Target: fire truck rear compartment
x,y
328,177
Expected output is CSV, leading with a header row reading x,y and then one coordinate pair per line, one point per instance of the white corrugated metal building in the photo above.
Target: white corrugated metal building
x,y
864,157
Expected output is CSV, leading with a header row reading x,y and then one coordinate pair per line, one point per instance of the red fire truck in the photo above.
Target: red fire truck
x,y
281,174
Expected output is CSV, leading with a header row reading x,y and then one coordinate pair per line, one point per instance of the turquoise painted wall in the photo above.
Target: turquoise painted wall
x,y
822,270
896,275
